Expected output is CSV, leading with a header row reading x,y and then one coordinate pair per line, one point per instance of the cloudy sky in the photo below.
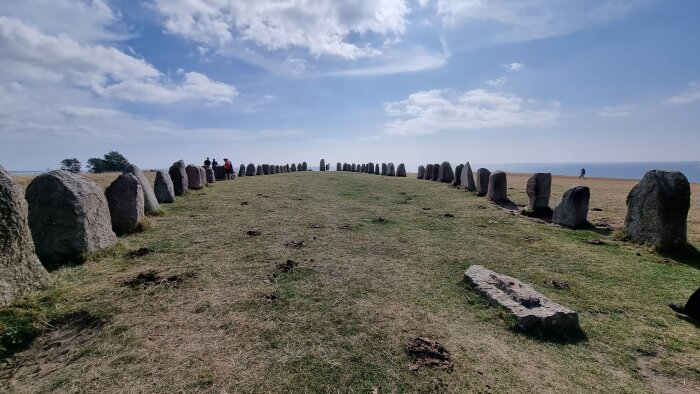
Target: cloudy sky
x,y
349,80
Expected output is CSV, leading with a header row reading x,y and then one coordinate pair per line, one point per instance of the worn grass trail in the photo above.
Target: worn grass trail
x,y
361,289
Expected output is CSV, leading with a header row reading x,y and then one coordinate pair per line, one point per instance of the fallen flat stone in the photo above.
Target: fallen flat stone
x,y
421,172
163,188
401,170
458,176
482,181
532,311
657,210
20,268
126,204
498,187
178,175
151,205
468,178
572,210
194,177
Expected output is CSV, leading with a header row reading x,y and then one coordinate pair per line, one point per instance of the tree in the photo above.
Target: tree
x,y
72,165
113,161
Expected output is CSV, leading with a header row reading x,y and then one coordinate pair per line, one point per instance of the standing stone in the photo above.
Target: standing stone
x,y
250,170
458,176
179,177
338,167
266,169
241,170
421,172
436,172
498,187
353,168
277,169
385,169
482,181
468,178
294,167
657,210
322,165
376,169
572,210
68,217
126,204
194,177
163,188
428,172
220,173
210,175
20,269
151,206
446,174
401,171
299,167
304,166
391,170
203,174
539,189
286,168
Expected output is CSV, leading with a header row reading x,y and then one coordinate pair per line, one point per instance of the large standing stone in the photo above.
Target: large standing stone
x,y
421,172
241,170
436,172
370,168
250,170
458,176
300,167
163,188
353,167
572,210
151,206
539,189
126,204
446,174
322,165
363,168
385,169
277,169
294,167
203,174
401,170
498,187
68,217
391,170
468,178
338,167
531,310
179,177
376,169
304,166
266,169
194,177
20,269
220,173
428,172
657,210
210,175
482,181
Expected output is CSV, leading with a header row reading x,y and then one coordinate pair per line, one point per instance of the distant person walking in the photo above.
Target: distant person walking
x,y
207,163
583,174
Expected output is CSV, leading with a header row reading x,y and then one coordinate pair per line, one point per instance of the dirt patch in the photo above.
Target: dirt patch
x,y
140,252
53,350
426,352
295,244
152,278
532,238
252,233
286,267
557,284
662,383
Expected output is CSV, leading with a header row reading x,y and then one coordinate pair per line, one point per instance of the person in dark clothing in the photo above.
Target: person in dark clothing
x,y
214,163
691,308
583,174
207,163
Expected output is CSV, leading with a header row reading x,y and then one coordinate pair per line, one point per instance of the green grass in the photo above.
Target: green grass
x,y
339,322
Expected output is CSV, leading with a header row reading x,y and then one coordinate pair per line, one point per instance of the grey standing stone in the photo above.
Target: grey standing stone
x,y
338,167
498,187
294,167
482,181
299,167
657,210
458,176
179,177
68,217
266,169
363,167
151,206
194,177
241,170
250,170
385,169
322,165
20,269
428,172
304,166
446,174
391,169
376,169
277,169
210,175
126,204
468,178
572,210
353,168
401,170
163,188
220,173
203,175
421,172
370,168
532,311
436,172
539,189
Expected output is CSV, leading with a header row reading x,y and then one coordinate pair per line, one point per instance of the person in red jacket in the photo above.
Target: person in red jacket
x,y
228,169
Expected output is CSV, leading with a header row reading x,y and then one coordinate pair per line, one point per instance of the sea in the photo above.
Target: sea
x,y
626,170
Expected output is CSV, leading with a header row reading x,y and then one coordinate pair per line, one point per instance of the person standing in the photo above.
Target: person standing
x,y
214,163
207,163
583,174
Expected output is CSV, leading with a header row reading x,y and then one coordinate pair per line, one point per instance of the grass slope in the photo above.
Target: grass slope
x,y
362,288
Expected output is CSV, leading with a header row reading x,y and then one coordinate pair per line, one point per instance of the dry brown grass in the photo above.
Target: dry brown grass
x,y
362,289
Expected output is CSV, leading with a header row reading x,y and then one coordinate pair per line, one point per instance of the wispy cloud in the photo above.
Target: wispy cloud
x,y
618,111
691,94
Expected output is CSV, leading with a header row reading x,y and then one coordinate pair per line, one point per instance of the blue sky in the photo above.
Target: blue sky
x,y
409,81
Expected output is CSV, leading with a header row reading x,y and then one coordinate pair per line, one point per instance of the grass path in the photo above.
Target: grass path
x,y
361,289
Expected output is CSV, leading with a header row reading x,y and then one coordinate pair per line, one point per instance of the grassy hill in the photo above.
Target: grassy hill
x,y
378,262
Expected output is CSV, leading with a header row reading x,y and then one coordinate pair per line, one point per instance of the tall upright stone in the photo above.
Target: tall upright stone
x,y
277,169
151,205
300,167
210,175
370,168
363,168
572,210
539,189
421,172
322,165
266,169
482,181
68,216
250,170
338,167
436,172
498,187
163,188
657,210
468,178
20,269
458,176
258,170
126,204
401,170
391,169
294,167
376,169
428,172
241,170
194,177
219,173
203,175
179,177
445,173
385,169
304,166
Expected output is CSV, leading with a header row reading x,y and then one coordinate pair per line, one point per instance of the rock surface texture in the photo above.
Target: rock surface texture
x,y
572,210
657,210
194,177
20,268
68,217
126,204
179,177
163,188
532,311
539,189
151,205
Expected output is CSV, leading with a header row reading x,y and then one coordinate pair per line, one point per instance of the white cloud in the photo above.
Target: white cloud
x,y
432,111
619,111
514,66
691,94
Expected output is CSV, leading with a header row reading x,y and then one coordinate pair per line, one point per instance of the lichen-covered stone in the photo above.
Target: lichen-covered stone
x,y
126,204
151,205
